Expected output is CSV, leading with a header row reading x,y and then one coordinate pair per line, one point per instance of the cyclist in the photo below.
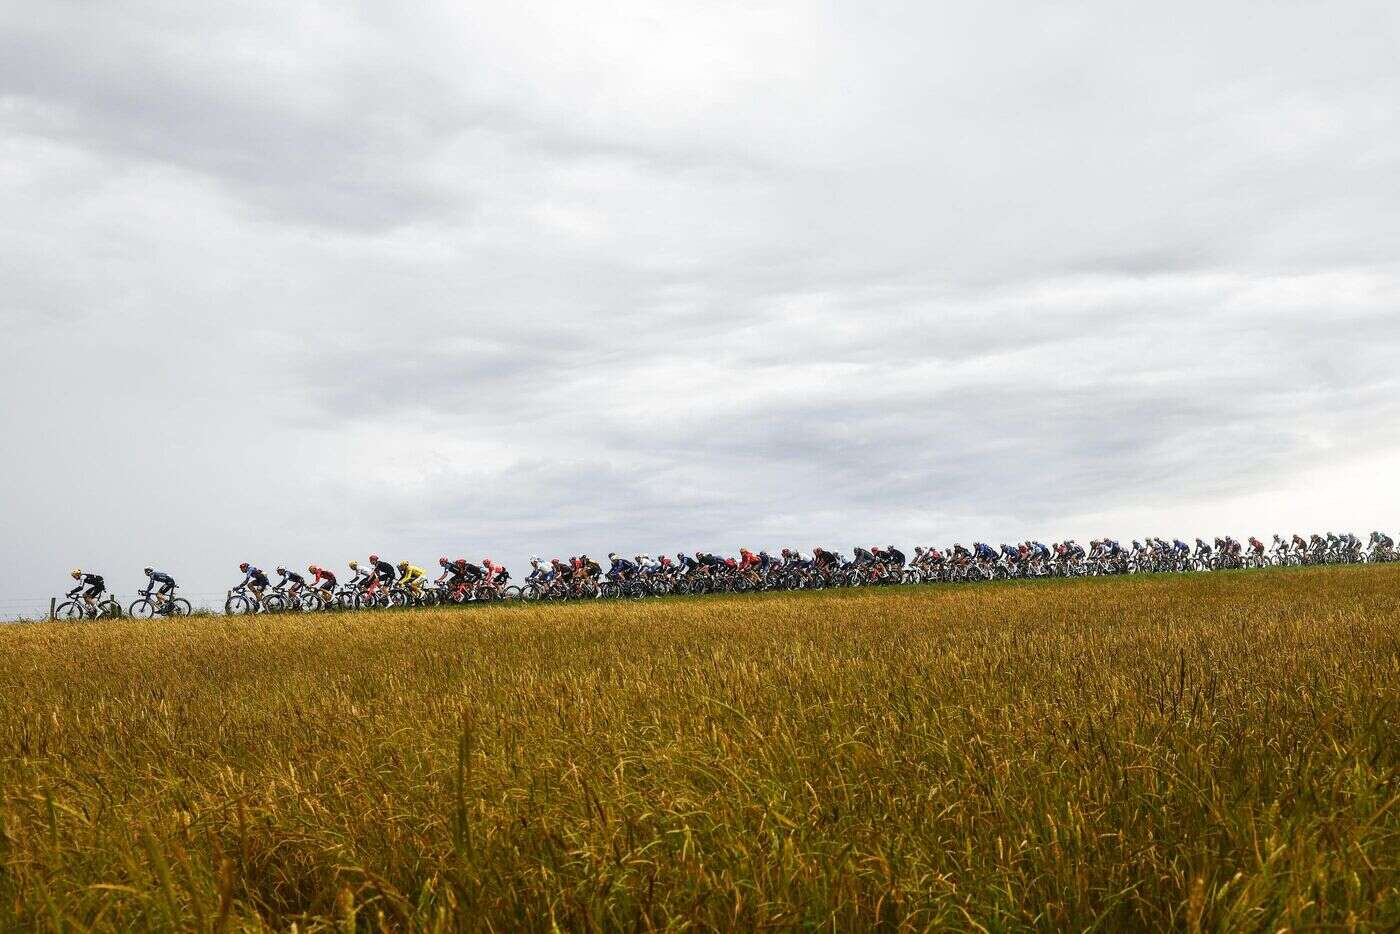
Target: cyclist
x,y
712,563
290,577
167,584
361,579
538,570
589,568
383,572
323,581
1256,545
95,585
894,558
254,579
621,568
386,572
411,576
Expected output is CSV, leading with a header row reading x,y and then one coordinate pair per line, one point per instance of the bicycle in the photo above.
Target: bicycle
x,y
278,599
148,606
75,607
240,602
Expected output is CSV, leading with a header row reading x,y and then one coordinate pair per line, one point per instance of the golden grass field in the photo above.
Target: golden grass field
x,y
1212,752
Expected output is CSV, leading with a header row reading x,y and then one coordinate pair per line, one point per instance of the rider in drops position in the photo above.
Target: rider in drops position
x,y
621,569
360,578
381,574
411,576
290,577
254,579
95,585
324,582
167,584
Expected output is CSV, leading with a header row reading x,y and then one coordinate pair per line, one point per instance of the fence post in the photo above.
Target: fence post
x,y
53,608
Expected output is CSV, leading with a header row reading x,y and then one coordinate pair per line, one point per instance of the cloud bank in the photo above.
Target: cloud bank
x,y
290,286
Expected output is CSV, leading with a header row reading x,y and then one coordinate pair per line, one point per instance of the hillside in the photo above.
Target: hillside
x,y
1215,751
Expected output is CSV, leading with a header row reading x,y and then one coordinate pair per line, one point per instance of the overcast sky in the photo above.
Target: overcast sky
x,y
294,282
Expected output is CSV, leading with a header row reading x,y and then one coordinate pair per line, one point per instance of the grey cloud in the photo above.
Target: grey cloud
x,y
548,276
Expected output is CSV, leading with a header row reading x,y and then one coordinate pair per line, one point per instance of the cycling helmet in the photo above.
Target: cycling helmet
x,y
313,569
403,565
77,573
147,571
534,558
243,567
354,565
486,563
443,562
374,559
281,570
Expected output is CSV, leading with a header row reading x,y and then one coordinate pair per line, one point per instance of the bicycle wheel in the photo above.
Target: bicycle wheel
x,y
70,610
109,609
237,605
179,606
144,608
274,603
